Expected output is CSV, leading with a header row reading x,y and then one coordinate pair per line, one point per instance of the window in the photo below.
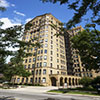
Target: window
x,y
41,51
18,80
34,54
39,79
29,60
31,49
33,65
38,58
57,66
45,51
45,57
75,70
46,35
87,74
44,71
44,79
57,72
29,66
51,52
42,46
46,40
36,80
52,33
31,80
50,64
51,42
36,21
78,70
36,72
32,72
51,28
44,64
41,57
51,58
33,59
26,80
57,55
50,71
25,66
57,60
46,26
51,37
37,64
46,31
25,60
35,49
40,64
22,80
90,74
46,45
39,71
51,46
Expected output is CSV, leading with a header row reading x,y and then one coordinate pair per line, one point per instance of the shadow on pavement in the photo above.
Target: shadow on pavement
x,y
7,98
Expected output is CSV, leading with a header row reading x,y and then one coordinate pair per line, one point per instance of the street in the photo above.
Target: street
x,y
32,94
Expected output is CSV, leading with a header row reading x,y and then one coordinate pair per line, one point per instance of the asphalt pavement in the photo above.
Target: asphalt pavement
x,y
36,93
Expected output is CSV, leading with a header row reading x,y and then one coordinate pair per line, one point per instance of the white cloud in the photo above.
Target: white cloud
x,y
19,13
8,23
4,3
13,5
16,20
28,19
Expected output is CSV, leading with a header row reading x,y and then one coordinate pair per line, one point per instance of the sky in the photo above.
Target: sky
x,y
22,11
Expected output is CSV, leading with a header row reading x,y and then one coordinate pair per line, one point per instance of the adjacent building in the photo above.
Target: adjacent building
x,y
74,64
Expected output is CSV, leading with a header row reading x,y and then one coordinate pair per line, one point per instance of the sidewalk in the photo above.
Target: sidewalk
x,y
74,94
33,89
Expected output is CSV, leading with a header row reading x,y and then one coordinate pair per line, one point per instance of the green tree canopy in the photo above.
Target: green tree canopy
x,y
96,80
81,7
12,38
87,43
85,81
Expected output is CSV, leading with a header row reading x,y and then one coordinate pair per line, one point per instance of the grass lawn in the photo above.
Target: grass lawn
x,y
77,91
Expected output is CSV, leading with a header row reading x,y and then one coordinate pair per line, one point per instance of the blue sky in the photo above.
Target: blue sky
x,y
20,11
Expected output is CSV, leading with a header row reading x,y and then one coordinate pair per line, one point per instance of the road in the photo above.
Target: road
x,y
28,94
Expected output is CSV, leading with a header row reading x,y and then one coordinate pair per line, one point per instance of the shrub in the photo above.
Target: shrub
x,y
85,81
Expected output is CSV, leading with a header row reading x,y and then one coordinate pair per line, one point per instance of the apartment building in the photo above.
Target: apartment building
x,y
49,64
74,63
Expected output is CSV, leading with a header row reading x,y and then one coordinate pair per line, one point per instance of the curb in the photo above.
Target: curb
x,y
54,93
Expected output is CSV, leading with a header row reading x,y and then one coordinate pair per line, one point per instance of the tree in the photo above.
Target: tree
x,y
85,81
11,38
87,43
81,7
96,81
